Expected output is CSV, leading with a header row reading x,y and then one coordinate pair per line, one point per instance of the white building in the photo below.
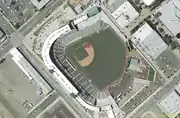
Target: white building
x,y
170,104
39,3
149,41
148,2
170,15
29,70
79,20
125,14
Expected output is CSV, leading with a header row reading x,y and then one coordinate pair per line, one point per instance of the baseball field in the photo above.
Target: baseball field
x,y
101,57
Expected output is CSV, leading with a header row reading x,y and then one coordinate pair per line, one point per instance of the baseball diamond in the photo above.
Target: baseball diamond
x,y
100,56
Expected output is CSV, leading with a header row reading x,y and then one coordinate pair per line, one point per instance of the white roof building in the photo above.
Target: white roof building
x,y
171,104
79,20
170,15
149,41
39,3
125,14
148,2
29,70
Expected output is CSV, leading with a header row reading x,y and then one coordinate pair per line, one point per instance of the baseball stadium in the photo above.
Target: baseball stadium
x,y
99,56
87,61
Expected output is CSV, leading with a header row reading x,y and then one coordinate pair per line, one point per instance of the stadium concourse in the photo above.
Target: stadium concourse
x,y
61,78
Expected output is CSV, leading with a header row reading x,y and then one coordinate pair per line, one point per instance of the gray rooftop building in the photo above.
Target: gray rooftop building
x,y
170,15
93,11
149,41
40,3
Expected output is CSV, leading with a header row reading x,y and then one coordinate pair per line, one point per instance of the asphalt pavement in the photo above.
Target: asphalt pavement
x,y
154,98
38,64
40,16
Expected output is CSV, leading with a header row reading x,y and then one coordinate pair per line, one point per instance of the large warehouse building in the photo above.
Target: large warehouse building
x,y
170,15
170,104
149,41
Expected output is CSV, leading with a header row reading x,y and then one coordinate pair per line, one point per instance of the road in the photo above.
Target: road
x,y
153,99
26,27
39,17
61,90
126,32
159,92
23,31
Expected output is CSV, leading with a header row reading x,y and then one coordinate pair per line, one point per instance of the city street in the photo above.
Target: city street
x,y
155,97
159,92
16,37
38,64
39,16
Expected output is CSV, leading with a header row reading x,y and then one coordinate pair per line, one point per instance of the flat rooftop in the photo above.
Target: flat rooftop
x,y
125,14
150,42
170,15
16,91
40,3
148,2
171,104
17,11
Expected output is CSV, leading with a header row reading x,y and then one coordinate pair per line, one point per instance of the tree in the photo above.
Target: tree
x,y
157,14
174,45
51,71
161,30
137,2
178,35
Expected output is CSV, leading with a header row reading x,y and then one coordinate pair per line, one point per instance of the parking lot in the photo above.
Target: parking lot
x,y
168,63
16,90
17,11
57,110
139,97
122,87
4,112
152,112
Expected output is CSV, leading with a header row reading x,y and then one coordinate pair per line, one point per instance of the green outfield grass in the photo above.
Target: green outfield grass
x,y
80,53
109,61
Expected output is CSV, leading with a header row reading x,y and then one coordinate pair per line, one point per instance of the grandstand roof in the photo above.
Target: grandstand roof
x,y
149,41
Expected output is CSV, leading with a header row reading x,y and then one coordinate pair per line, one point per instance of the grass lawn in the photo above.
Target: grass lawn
x,y
151,74
108,64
